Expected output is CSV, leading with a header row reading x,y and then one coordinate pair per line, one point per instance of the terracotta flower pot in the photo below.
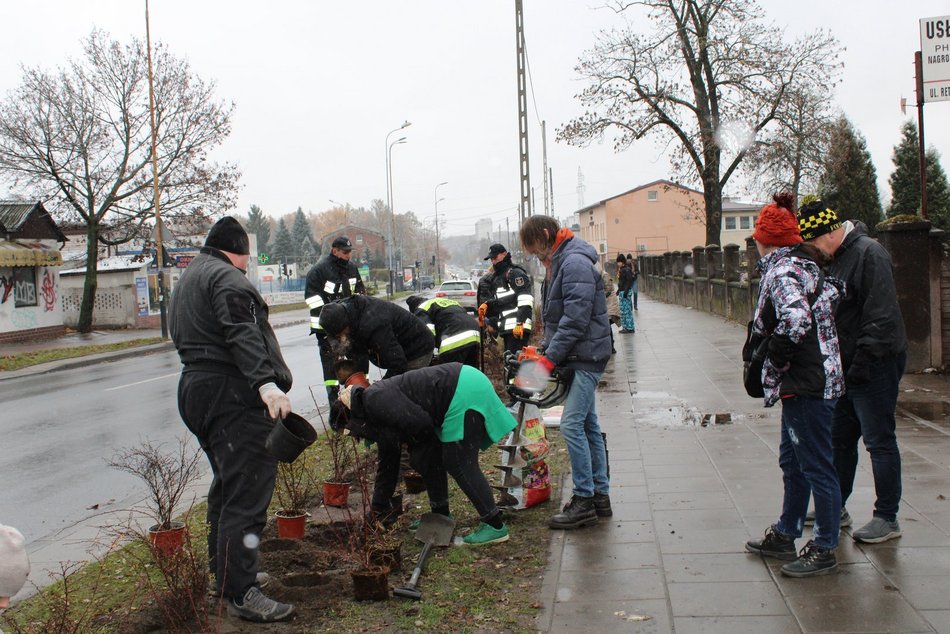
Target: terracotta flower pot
x,y
291,526
165,543
357,379
370,584
336,493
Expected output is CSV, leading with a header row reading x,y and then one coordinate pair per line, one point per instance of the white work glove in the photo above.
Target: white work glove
x,y
277,402
346,394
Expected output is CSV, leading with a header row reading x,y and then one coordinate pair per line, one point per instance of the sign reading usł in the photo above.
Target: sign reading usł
x,y
935,57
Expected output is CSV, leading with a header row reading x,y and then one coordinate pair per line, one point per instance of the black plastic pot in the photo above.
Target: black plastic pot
x,y
289,437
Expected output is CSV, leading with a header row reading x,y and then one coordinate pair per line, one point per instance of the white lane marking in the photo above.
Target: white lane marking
x,y
164,376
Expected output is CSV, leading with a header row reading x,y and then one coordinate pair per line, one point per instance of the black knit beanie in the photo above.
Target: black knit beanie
x,y
228,235
815,218
413,301
333,318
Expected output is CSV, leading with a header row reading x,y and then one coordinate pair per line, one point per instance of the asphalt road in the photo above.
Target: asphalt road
x,y
60,429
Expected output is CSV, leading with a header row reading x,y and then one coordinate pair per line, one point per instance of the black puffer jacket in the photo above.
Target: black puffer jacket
x,y
219,323
390,334
328,280
869,321
412,404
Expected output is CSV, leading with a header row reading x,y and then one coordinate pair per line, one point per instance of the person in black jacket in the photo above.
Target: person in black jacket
x,y
455,330
625,283
232,386
333,277
873,354
396,341
511,302
446,413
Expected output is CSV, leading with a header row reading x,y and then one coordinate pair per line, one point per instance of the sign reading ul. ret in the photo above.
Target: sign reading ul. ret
x,y
935,57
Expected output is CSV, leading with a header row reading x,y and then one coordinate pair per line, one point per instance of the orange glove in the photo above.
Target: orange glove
x,y
518,331
482,311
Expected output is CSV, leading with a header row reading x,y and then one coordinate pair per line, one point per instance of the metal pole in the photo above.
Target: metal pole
x,y
522,113
159,243
389,246
438,258
544,159
392,213
918,68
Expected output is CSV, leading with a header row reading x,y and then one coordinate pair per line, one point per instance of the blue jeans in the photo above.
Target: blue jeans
x,y
581,431
806,459
867,410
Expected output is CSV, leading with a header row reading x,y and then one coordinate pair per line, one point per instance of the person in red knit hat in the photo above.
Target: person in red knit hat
x,y
803,370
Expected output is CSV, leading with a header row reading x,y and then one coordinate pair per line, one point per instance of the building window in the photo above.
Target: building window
x,y
359,238
745,222
651,196
730,223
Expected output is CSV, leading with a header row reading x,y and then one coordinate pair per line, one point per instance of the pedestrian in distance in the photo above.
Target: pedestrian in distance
x,y
873,354
635,287
613,304
577,338
447,414
625,284
511,303
233,386
802,370
456,332
359,327
333,277
14,564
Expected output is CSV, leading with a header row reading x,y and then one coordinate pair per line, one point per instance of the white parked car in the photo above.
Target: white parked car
x,y
462,291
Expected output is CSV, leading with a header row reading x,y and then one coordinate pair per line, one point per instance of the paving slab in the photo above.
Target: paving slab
x,y
688,491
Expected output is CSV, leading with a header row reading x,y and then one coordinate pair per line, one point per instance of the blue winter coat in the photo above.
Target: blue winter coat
x,y
576,329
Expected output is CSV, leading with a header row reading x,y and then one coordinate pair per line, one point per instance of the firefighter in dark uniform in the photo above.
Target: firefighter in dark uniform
x,y
333,277
396,341
512,302
455,330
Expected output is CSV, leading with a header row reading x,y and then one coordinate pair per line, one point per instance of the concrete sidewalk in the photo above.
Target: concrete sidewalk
x,y
687,496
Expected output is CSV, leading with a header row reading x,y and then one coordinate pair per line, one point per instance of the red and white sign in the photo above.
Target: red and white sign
x,y
935,57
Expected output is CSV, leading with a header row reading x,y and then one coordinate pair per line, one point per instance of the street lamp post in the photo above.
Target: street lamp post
x,y
389,203
438,259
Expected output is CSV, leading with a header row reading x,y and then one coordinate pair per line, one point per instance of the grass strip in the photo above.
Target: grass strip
x,y
26,359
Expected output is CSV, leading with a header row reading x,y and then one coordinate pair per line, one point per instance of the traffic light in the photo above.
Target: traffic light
x,y
283,270
418,264
433,260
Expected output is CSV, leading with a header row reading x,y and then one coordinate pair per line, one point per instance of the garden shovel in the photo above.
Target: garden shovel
x,y
434,530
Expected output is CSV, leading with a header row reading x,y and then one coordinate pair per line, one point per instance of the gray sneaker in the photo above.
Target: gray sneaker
x,y
876,531
259,608
846,520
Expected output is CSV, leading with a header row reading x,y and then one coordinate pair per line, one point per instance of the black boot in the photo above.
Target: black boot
x,y
813,561
602,505
774,544
578,512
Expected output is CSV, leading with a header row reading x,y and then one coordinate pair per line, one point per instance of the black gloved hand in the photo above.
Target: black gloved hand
x,y
338,416
781,351
860,370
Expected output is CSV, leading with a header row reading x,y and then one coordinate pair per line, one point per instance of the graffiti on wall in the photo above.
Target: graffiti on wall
x,y
49,292
6,285
24,289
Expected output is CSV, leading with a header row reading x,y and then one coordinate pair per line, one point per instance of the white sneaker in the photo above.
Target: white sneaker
x,y
259,608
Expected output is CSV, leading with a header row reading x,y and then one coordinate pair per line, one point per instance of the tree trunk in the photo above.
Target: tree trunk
x,y
712,199
86,307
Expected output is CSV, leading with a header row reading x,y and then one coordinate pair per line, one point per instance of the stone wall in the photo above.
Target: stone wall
x,y
724,282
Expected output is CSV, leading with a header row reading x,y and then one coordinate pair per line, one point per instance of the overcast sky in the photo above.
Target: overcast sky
x,y
319,84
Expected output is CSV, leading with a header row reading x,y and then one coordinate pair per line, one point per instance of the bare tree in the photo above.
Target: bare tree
x,y
790,154
79,138
705,82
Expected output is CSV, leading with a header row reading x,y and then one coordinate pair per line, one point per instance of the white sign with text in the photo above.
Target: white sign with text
x,y
935,57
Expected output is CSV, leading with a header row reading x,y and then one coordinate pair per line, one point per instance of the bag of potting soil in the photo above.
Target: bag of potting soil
x,y
525,480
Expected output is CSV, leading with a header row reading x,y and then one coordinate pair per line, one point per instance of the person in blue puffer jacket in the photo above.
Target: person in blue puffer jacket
x,y
577,338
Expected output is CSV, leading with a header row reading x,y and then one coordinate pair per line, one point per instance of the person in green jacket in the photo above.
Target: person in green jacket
x,y
446,413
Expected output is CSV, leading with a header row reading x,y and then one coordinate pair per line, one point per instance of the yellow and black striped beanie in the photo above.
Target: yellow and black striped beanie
x,y
815,219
